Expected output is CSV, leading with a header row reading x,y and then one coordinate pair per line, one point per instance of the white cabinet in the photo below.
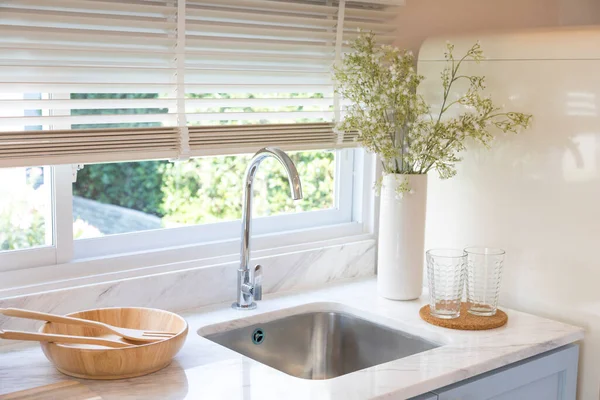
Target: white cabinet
x,y
548,376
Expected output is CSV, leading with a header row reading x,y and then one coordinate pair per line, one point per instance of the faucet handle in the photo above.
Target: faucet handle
x,y
257,283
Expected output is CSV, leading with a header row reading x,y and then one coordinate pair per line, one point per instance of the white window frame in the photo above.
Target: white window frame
x,y
52,267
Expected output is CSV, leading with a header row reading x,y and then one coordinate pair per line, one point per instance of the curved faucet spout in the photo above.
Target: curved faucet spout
x,y
285,160
247,284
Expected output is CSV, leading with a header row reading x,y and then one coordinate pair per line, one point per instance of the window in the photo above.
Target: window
x,y
116,198
199,201
119,198
164,103
124,207
159,203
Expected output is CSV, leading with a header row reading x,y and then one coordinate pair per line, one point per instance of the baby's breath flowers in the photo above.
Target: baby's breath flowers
x,y
395,122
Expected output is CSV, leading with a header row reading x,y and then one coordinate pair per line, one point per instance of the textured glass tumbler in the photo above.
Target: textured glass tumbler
x,y
446,269
484,274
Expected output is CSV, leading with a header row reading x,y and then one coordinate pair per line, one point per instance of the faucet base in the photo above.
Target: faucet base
x,y
238,306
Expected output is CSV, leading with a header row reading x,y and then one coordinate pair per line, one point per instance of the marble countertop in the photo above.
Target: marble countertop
x,y
205,370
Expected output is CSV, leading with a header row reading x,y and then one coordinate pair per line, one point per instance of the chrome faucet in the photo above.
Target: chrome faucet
x,y
249,282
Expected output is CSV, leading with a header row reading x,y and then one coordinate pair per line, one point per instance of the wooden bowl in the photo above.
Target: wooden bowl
x,y
96,362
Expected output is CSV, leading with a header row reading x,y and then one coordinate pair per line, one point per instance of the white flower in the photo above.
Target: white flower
x,y
393,89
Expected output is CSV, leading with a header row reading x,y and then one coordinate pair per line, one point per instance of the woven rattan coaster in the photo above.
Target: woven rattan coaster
x,y
466,321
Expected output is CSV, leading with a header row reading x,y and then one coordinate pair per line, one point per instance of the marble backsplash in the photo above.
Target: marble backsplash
x,y
196,287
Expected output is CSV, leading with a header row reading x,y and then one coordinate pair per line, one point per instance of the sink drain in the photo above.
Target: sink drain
x,y
258,336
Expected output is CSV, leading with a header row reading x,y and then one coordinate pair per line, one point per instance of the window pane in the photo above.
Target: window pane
x,y
25,208
137,196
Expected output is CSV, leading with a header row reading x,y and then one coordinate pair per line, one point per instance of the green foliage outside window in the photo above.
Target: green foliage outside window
x,y
209,189
23,208
136,185
22,223
206,189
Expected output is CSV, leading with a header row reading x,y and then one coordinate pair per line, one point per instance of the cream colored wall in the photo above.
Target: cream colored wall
x,y
420,19
579,12
537,194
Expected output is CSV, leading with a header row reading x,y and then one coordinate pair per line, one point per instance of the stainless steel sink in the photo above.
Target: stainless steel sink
x,y
321,345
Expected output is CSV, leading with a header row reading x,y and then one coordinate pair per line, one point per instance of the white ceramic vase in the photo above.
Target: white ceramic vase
x,y
401,238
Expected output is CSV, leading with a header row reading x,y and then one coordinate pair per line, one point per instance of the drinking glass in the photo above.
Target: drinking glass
x,y
484,274
446,278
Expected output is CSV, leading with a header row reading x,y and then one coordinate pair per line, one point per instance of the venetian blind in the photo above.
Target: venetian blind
x,y
85,81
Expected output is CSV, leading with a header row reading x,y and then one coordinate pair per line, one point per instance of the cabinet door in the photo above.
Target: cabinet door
x,y
549,376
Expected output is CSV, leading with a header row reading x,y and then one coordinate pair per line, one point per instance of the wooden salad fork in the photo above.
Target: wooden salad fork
x,y
135,335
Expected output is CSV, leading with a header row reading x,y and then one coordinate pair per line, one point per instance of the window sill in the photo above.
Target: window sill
x,y
134,265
